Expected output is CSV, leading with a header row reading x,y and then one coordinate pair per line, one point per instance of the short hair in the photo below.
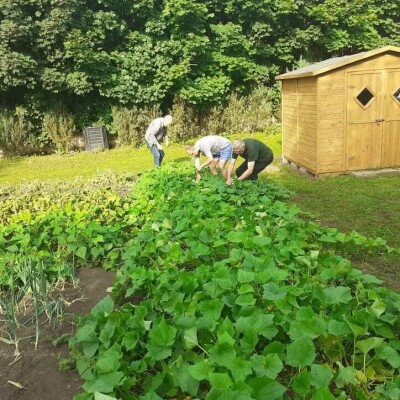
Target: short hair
x,y
238,144
167,119
190,147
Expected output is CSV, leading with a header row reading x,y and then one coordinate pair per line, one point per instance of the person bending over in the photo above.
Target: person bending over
x,y
257,156
218,151
155,133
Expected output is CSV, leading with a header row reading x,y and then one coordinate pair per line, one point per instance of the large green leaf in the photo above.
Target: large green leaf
x,y
302,383
104,383
269,365
240,369
200,370
368,344
109,360
220,380
222,354
301,352
185,380
321,375
323,394
266,388
190,337
389,354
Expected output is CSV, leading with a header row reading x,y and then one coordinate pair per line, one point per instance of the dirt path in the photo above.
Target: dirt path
x,y
37,371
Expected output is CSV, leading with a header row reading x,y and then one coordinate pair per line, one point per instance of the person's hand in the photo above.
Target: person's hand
x,y
198,176
229,181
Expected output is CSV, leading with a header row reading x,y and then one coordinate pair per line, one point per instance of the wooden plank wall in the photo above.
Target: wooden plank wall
x,y
332,111
307,123
381,61
314,116
289,119
331,122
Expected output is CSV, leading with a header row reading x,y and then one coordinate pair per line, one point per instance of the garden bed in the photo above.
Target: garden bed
x,y
38,371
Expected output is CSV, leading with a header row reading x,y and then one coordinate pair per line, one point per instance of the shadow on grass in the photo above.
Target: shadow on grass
x,y
181,159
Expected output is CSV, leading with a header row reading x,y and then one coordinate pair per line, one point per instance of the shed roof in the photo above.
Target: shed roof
x,y
334,63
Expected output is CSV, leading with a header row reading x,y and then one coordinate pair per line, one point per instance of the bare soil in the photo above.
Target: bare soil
x,y
36,375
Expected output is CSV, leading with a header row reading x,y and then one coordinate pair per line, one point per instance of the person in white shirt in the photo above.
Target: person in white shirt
x,y
155,133
218,151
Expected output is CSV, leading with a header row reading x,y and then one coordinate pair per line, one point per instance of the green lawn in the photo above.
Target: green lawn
x,y
87,164
369,206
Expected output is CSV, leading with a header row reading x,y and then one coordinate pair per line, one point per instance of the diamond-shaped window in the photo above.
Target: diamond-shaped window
x,y
396,95
365,97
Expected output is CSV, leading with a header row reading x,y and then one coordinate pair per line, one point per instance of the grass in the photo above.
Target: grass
x,y
84,164
67,167
369,206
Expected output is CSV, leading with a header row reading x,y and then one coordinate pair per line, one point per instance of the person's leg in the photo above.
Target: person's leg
x,y
156,155
259,166
213,166
162,155
226,155
221,166
239,170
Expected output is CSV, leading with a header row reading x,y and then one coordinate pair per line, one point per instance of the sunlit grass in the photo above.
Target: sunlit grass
x,y
84,164
80,164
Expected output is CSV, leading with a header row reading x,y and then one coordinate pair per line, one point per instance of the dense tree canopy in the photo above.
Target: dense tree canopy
x,y
91,54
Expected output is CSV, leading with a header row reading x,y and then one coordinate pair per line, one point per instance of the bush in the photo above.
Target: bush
x,y
130,124
16,133
240,114
184,126
58,126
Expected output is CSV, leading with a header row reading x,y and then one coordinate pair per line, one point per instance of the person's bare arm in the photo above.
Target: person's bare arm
x,y
229,179
248,172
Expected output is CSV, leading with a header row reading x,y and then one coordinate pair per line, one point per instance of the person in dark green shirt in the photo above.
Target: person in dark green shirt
x,y
257,156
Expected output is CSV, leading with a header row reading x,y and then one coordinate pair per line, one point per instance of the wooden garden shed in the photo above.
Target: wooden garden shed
x,y
343,114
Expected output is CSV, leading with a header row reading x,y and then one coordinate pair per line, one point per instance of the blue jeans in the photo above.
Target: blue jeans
x,y
158,155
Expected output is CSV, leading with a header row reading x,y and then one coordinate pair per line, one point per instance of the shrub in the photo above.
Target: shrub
x,y
247,114
185,126
58,126
252,113
16,133
130,124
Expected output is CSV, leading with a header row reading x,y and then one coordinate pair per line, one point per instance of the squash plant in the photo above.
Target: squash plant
x,y
224,292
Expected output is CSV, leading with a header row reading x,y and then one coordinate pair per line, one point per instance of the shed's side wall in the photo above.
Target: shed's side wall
x,y
331,128
307,123
289,119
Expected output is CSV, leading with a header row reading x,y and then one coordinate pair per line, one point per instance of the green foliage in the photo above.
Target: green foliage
x,y
185,125
15,132
240,114
58,126
224,289
96,55
206,90
245,114
347,25
220,290
130,124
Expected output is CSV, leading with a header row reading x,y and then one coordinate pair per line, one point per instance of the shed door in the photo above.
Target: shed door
x,y
364,121
373,120
391,134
